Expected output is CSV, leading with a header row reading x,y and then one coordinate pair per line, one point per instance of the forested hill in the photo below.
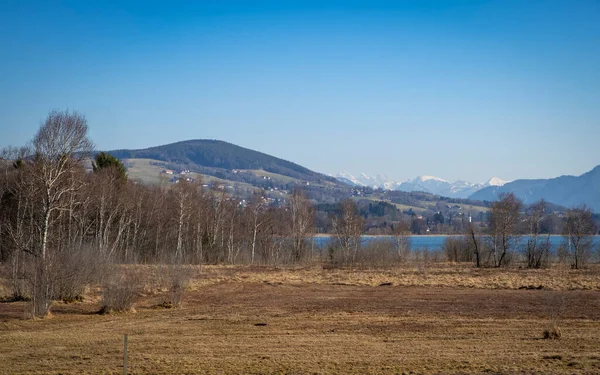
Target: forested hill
x,y
219,154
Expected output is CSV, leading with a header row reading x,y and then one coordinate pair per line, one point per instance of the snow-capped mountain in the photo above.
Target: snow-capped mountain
x,y
430,178
429,184
461,189
349,179
495,181
379,181
438,186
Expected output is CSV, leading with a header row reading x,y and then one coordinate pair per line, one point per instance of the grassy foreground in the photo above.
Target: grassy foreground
x,y
238,320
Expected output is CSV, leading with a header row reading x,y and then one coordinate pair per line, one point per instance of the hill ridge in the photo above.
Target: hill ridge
x,y
213,153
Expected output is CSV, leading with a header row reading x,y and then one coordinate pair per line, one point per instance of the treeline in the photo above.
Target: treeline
x,y
135,223
499,241
64,225
58,221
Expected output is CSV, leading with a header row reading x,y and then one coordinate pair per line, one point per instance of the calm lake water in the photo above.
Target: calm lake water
x,y
436,242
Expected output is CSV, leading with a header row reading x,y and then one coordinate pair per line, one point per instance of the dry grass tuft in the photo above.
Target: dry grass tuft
x,y
552,333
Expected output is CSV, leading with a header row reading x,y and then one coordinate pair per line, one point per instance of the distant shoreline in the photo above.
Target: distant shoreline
x,y
326,235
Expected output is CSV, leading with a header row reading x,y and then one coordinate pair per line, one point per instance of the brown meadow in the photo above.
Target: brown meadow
x,y
446,319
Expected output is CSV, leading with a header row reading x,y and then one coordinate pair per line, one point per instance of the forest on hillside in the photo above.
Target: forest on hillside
x,y
215,156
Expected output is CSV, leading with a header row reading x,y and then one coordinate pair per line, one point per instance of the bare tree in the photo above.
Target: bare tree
x,y
60,146
348,227
232,234
110,203
578,231
302,221
537,248
504,219
457,249
183,192
473,239
198,218
215,230
402,240
16,206
256,211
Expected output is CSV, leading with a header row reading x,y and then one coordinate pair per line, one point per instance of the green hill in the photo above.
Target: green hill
x,y
240,171
213,157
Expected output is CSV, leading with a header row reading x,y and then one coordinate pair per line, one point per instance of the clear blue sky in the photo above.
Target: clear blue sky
x,y
455,89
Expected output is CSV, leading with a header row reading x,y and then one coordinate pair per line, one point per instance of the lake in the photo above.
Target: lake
x,y
436,242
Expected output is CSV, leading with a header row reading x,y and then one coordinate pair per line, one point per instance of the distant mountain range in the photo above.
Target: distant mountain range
x,y
429,184
229,162
379,181
569,191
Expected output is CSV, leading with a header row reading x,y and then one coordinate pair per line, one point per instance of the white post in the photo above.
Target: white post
x,y
125,355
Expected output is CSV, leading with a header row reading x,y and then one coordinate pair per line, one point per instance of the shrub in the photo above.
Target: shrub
x,y
377,254
73,270
457,250
423,260
122,292
178,277
555,310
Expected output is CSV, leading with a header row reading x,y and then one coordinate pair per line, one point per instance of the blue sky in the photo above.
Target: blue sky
x,y
455,89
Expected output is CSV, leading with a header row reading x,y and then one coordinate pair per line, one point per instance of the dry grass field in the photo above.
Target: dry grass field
x,y
441,319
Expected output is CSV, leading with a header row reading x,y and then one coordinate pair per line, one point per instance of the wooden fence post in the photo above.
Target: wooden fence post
x,y
125,355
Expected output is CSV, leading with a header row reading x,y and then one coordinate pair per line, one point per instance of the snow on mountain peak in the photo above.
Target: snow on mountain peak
x,y
350,178
374,181
495,181
429,178
431,184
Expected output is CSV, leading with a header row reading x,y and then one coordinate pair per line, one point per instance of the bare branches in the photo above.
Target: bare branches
x,y
302,221
503,222
44,186
62,139
537,249
348,226
578,231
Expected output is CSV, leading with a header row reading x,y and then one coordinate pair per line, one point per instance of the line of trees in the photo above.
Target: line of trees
x,y
500,241
59,220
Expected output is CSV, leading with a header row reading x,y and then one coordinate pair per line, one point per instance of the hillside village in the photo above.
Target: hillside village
x,y
425,213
